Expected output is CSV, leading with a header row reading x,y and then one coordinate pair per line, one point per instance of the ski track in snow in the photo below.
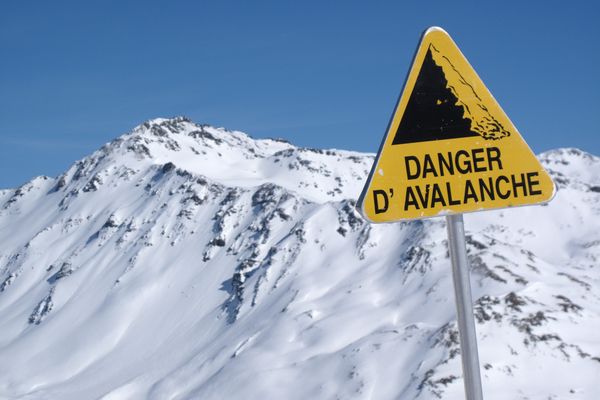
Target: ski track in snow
x,y
183,261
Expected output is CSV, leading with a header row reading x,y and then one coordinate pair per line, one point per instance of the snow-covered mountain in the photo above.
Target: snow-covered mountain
x,y
182,261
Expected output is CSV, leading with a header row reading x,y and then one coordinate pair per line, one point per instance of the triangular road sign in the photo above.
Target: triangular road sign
x,y
449,147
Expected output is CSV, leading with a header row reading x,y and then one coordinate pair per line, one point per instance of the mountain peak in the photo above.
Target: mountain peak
x,y
572,165
228,158
224,253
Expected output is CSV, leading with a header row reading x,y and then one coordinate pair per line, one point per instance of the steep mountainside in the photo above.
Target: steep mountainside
x,y
182,261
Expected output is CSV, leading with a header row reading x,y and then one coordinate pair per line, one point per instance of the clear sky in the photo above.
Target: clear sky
x,y
74,75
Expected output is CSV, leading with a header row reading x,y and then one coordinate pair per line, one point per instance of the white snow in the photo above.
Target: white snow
x,y
183,261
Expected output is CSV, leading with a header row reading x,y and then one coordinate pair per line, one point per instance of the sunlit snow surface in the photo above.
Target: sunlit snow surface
x,y
188,262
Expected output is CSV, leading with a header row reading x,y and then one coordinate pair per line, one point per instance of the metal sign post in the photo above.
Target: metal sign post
x,y
464,307
449,149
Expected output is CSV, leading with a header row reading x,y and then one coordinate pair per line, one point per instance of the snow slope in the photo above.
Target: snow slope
x,y
182,261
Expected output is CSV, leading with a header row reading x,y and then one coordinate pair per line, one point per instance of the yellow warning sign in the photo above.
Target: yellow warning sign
x,y
449,147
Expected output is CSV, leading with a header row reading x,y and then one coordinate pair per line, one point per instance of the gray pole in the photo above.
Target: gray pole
x,y
464,307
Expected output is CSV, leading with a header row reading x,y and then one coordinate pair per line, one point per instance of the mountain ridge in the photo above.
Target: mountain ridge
x,y
153,257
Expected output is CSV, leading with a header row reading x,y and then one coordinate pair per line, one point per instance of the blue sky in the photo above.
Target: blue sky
x,y
74,75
